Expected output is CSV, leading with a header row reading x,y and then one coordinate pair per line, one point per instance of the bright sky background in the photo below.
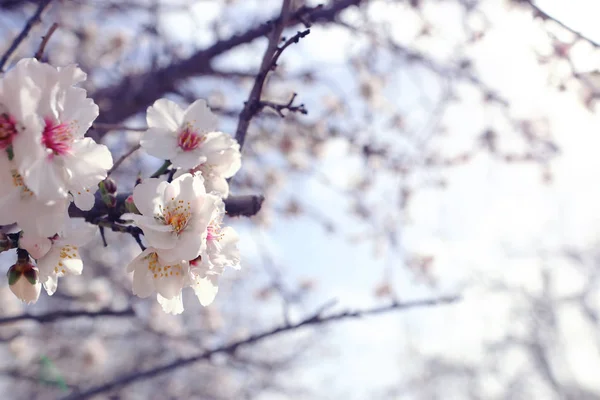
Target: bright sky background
x,y
493,223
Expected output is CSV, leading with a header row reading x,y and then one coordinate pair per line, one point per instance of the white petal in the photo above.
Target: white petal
x,y
205,290
200,117
164,114
87,163
188,159
51,284
171,306
84,200
160,143
147,196
25,291
79,111
217,184
36,246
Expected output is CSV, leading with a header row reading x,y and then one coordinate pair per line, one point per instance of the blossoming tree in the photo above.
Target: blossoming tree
x,y
145,163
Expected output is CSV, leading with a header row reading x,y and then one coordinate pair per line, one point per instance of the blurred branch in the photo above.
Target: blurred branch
x,y
545,16
235,206
33,21
269,60
279,108
40,53
67,314
136,92
117,163
315,319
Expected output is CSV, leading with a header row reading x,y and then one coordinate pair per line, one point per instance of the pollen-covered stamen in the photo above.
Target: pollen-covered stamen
x,y
17,181
67,252
159,271
177,214
189,139
57,137
8,130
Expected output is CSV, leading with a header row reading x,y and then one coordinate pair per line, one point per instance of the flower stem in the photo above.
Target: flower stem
x,y
163,168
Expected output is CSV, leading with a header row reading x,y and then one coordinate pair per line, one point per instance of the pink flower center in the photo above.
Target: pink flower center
x,y
189,140
57,137
7,130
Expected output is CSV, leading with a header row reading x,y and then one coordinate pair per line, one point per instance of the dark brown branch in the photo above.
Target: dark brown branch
x,y
252,105
279,108
313,320
545,16
67,314
33,21
40,53
235,206
135,93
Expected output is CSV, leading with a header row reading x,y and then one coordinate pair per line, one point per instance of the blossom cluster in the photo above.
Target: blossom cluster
x,y
47,163
182,220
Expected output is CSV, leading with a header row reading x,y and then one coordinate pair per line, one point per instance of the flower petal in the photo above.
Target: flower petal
x,y
165,114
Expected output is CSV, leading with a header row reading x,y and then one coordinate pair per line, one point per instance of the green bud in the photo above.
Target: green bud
x,y
13,275
108,186
130,206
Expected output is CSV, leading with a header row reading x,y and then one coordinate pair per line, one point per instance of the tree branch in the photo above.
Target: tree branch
x,y
67,314
315,319
45,39
269,63
135,93
252,105
545,16
235,206
33,21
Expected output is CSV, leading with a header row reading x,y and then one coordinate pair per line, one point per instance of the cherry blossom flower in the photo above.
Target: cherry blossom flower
x,y
18,204
174,216
221,252
153,275
59,255
189,137
51,118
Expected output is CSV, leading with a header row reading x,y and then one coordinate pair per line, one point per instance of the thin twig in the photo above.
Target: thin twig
x,y
123,158
33,21
279,108
316,318
545,16
251,106
40,53
67,314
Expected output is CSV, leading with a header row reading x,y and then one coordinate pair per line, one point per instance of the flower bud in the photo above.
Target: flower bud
x,y
23,279
109,199
130,206
108,186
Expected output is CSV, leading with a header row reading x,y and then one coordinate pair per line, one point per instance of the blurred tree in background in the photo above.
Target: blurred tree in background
x,y
354,129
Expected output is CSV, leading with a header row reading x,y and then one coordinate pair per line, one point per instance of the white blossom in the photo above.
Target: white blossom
x,y
50,117
59,255
18,204
221,252
153,275
174,216
189,138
